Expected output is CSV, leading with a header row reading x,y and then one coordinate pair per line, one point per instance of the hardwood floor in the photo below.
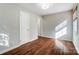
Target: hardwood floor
x,y
45,46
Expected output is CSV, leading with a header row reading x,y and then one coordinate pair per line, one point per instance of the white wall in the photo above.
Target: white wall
x,y
51,21
9,23
76,36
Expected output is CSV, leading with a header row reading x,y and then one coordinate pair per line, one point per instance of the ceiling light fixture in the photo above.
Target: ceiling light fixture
x,y
44,5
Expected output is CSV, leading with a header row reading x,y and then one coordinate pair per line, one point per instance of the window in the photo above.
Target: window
x,y
61,29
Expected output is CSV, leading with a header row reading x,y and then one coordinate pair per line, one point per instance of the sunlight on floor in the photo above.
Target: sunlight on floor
x,y
61,46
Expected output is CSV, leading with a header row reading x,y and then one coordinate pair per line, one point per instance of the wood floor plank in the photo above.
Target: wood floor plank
x,y
44,46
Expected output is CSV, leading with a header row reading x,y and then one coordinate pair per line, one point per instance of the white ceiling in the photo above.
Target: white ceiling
x,y
54,8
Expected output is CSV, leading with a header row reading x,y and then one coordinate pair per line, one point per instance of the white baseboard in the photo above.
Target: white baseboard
x,y
52,37
45,36
76,47
6,50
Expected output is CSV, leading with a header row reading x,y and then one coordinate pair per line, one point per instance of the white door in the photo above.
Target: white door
x,y
33,27
24,27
